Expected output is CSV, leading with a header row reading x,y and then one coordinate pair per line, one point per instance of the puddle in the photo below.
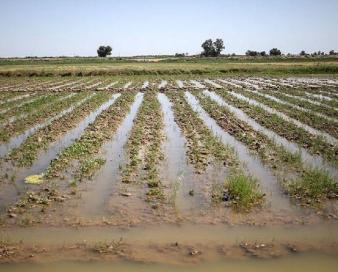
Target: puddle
x,y
127,85
268,182
68,84
293,105
263,82
12,119
78,86
93,85
94,198
197,84
325,233
145,85
17,140
227,82
16,98
176,172
69,138
22,104
163,84
45,157
307,128
283,83
180,83
307,158
318,96
312,262
245,83
107,87
329,93
213,83
306,100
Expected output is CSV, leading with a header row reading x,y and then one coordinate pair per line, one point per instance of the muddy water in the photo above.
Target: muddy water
x,y
264,82
17,140
19,97
306,100
24,115
330,93
319,96
227,82
306,262
293,105
10,192
213,83
307,158
180,83
268,182
197,236
107,87
145,85
68,84
309,129
127,85
93,202
178,175
245,83
187,234
55,148
163,84
197,84
22,104
324,233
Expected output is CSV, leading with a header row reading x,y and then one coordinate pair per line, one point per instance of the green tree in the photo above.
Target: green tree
x,y
251,53
219,46
212,49
208,48
104,51
275,52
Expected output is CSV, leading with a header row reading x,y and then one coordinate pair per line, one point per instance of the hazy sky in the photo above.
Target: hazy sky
x,y
134,27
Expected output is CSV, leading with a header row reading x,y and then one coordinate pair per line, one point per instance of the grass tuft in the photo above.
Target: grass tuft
x,y
243,191
313,186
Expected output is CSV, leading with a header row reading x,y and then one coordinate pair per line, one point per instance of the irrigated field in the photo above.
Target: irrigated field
x,y
174,171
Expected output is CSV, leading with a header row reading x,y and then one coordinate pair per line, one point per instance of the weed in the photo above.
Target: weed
x,y
243,191
313,186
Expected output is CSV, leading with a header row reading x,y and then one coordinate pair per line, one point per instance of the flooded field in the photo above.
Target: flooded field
x,y
169,174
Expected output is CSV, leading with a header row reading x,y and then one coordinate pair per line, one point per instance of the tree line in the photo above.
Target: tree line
x,y
214,49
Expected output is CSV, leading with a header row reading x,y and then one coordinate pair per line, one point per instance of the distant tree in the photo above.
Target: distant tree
x,y
208,48
212,49
302,53
219,46
275,52
332,53
104,51
179,55
251,53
